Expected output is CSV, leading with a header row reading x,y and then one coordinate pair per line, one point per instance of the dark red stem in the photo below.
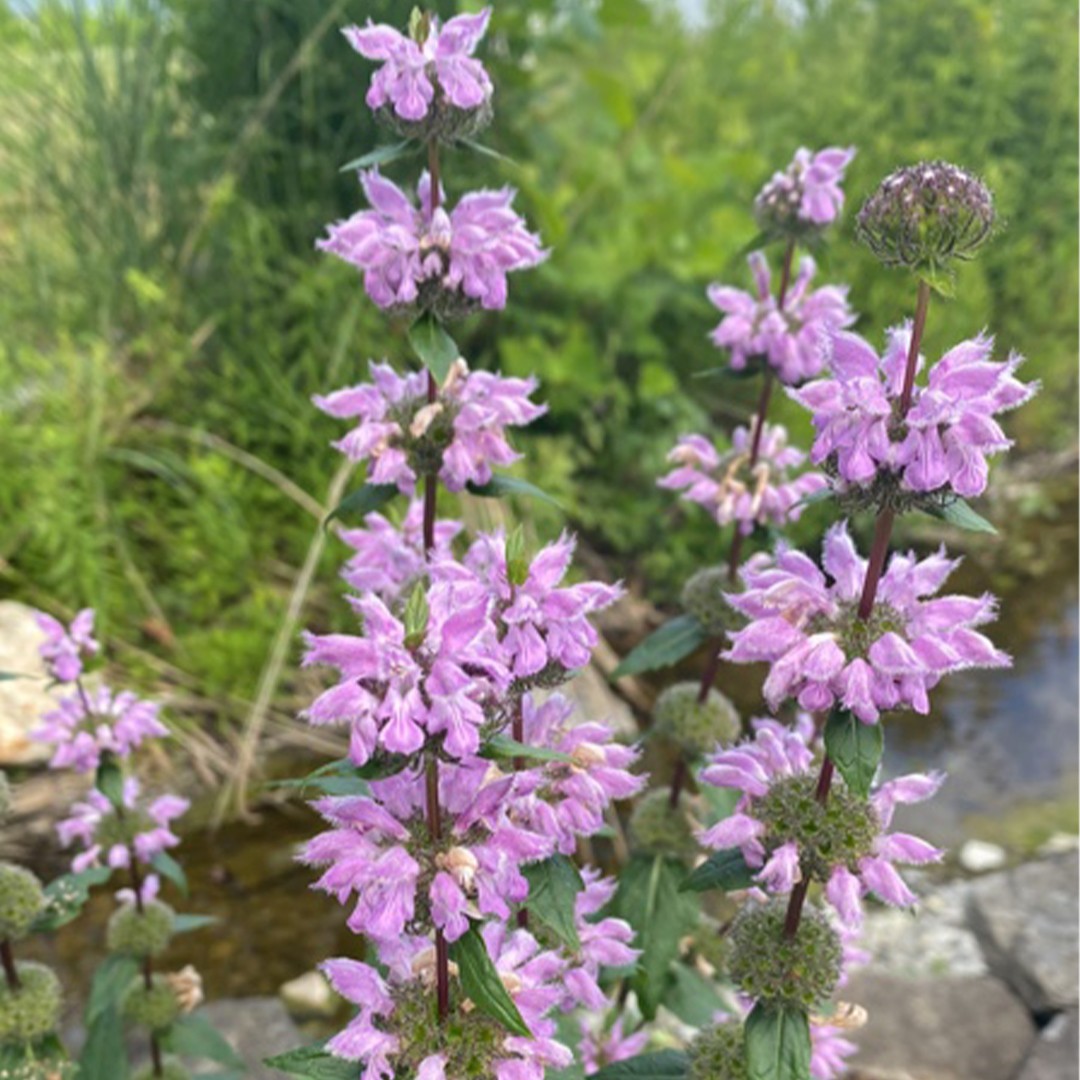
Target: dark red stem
x,y
442,952
8,960
922,304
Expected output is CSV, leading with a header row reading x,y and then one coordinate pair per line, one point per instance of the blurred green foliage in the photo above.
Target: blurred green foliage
x,y
165,166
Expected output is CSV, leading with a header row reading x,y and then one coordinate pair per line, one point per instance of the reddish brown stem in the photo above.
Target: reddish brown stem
x,y
879,551
433,173
155,1055
922,305
11,972
442,951
678,779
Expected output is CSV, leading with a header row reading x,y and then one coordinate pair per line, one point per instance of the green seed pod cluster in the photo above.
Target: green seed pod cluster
x,y
141,933
719,1053
924,216
703,597
657,828
696,726
170,1070
155,1007
40,1068
32,1011
22,900
798,972
5,796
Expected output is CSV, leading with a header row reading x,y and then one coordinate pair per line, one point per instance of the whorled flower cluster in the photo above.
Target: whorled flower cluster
x,y
458,436
938,448
430,258
734,491
803,621
805,195
786,834
790,337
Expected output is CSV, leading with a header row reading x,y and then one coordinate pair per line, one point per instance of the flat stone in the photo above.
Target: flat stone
x,y
22,700
1026,922
938,1028
979,857
1053,1057
935,940
597,702
309,995
256,1028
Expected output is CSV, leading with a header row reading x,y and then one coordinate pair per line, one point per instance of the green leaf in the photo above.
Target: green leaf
x,y
719,802
186,924
482,983
726,870
381,155
754,367
416,616
487,151
435,347
553,888
649,899
193,1036
313,1063
110,780
854,748
777,1044
662,1065
693,998
941,279
665,646
815,497
7,676
505,748
112,978
501,486
104,1056
169,868
66,896
362,501
959,514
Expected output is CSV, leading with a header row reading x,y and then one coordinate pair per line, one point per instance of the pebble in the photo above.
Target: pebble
x,y
979,856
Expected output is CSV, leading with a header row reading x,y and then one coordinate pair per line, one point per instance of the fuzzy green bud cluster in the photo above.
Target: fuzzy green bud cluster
x,y
141,933
22,900
798,972
32,1011
703,597
924,216
697,726
719,1053
154,1007
658,828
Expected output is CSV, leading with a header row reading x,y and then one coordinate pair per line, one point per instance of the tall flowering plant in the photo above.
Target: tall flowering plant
x,y
468,781
118,828
805,827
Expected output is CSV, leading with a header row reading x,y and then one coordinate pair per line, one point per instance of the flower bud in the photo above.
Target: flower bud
x,y
32,1011
718,1053
22,900
797,972
703,597
697,726
924,216
140,933
155,1008
657,828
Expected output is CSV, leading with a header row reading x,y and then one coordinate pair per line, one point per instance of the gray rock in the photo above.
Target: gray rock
x,y
23,700
938,1029
309,995
1053,1057
256,1028
1026,921
596,701
933,941
978,856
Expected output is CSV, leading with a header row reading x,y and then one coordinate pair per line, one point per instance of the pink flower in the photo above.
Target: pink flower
x,y
829,1051
792,339
808,191
949,431
464,253
731,491
804,623
413,72
84,726
65,649
600,1047
775,771
461,435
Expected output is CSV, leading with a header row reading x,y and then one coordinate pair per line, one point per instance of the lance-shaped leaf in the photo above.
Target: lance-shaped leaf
x,y
169,868
109,780
553,888
958,513
194,1036
483,984
665,646
65,897
726,870
381,155
502,487
435,347
504,748
362,501
777,1044
854,748
314,1063
662,1065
